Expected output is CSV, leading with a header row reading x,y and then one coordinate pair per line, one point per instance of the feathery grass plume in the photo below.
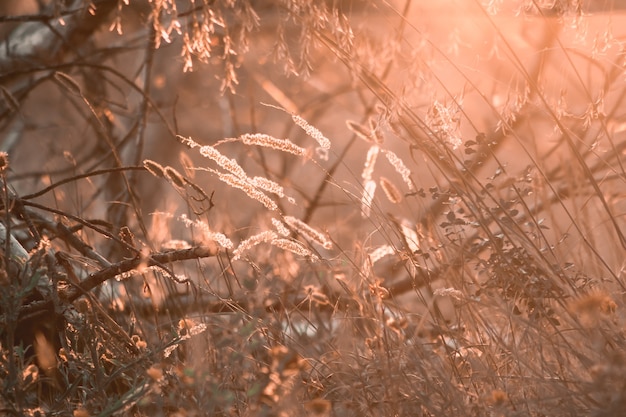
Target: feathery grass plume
x,y
174,176
217,237
400,167
370,162
391,191
368,196
380,252
175,244
181,279
190,143
187,328
223,161
263,237
267,185
308,232
154,168
360,130
268,141
249,189
280,227
453,293
294,247
312,131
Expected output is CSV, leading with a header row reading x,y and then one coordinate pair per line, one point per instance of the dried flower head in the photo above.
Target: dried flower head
x,y
593,305
155,372
318,407
498,397
4,162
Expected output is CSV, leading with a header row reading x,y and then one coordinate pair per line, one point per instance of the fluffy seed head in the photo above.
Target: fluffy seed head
x,y
174,176
391,191
154,168
308,232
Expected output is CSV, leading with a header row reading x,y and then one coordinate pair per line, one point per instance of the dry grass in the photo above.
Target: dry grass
x,y
422,221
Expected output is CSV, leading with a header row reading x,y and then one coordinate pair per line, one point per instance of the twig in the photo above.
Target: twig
x,y
81,176
97,278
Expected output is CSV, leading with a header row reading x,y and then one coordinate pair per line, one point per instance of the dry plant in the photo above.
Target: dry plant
x,y
320,208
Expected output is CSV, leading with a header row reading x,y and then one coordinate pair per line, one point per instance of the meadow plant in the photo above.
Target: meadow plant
x,y
286,208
